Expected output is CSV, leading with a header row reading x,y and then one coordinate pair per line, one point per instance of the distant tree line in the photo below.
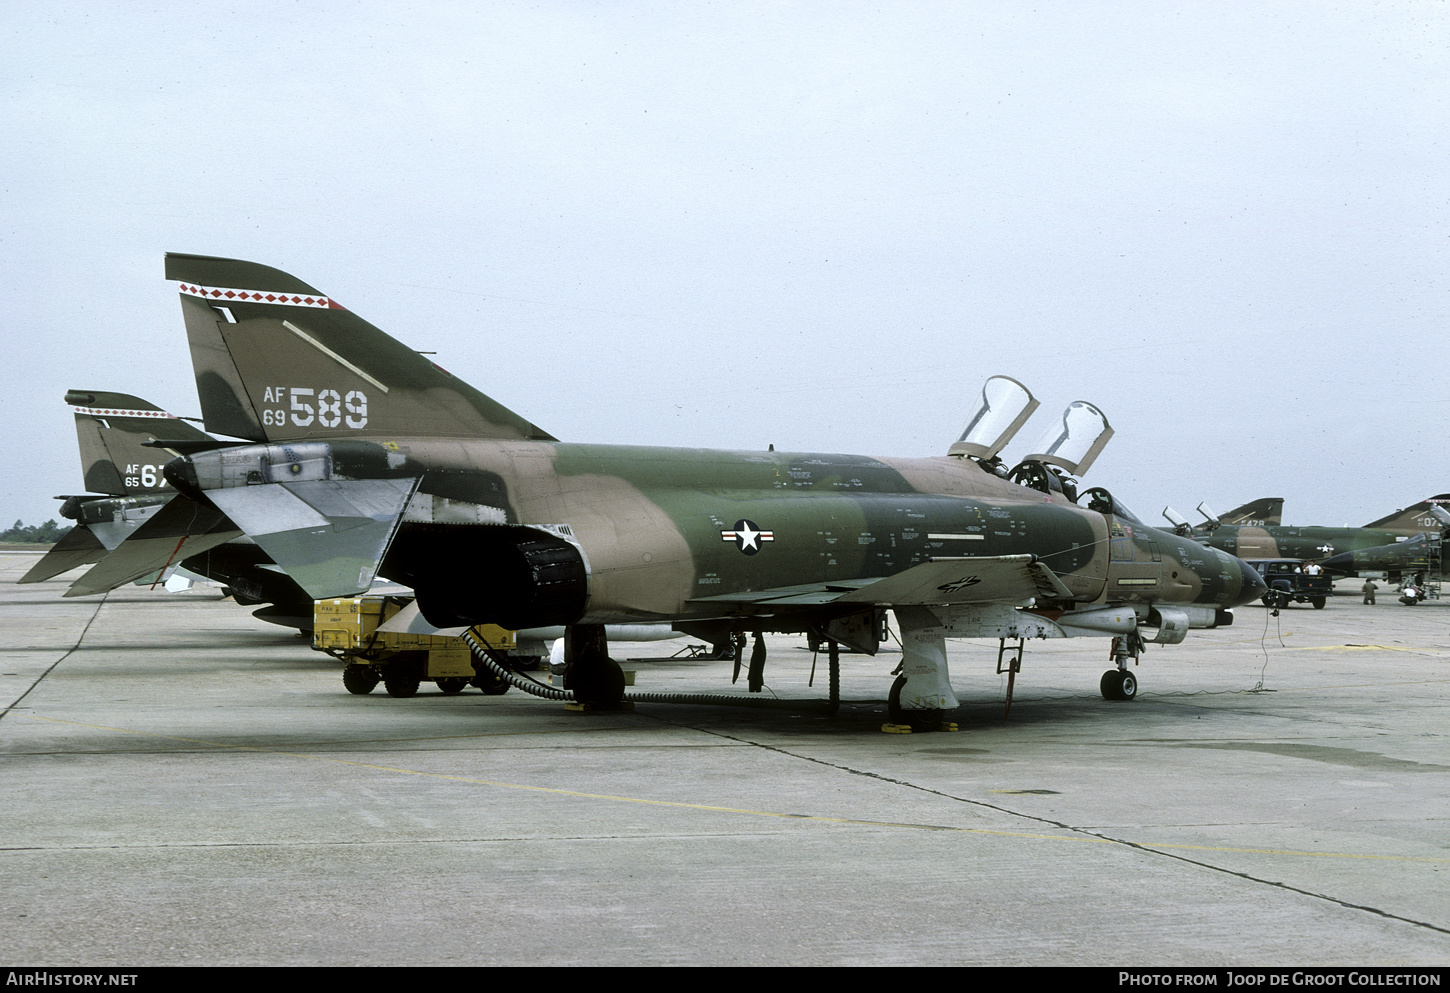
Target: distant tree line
x,y
47,533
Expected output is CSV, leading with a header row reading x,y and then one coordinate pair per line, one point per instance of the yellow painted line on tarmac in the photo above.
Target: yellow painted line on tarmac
x,y
1152,846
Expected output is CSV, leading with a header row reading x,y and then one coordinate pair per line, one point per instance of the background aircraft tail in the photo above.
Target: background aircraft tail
x,y
1413,520
1265,510
112,429
277,360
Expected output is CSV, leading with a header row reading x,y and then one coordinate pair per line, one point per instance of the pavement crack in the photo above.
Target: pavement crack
x,y
1101,836
4,711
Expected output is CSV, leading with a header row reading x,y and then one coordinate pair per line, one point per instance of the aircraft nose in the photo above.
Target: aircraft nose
x,y
1252,585
1343,562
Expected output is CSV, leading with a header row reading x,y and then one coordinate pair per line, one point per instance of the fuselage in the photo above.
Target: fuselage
x,y
661,528
1285,542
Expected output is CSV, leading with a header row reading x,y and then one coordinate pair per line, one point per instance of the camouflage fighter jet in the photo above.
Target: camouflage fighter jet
x,y
125,442
122,472
1418,555
1320,543
370,459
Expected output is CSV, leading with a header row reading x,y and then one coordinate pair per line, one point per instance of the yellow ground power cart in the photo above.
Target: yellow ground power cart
x,y
348,630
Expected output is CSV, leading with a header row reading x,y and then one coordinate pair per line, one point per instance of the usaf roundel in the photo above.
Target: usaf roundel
x,y
747,536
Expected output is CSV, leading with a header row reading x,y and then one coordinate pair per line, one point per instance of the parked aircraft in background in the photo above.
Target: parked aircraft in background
x,y
124,476
1267,541
1417,556
125,443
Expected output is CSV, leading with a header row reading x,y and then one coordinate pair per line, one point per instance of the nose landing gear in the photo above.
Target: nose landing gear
x,y
1119,683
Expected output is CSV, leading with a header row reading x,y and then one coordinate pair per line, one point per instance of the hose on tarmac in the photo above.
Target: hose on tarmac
x,y
490,658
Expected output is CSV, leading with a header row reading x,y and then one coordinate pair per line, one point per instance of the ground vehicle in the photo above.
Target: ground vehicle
x,y
355,630
1288,583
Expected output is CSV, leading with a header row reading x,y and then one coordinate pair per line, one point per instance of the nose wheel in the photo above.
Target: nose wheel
x,y
1118,684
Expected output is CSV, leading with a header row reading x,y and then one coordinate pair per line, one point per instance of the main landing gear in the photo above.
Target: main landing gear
x,y
922,694
1119,683
596,680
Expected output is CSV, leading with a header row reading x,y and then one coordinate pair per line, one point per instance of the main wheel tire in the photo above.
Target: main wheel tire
x,y
917,720
359,679
600,684
1127,686
452,684
1318,602
1111,685
402,686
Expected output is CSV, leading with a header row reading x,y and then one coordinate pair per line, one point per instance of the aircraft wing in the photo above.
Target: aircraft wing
x,y
77,547
178,530
940,582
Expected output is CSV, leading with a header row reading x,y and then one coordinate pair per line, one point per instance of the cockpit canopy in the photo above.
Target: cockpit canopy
x,y
1075,442
1006,405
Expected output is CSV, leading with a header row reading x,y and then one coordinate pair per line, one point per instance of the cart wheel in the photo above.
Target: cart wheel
x,y
359,679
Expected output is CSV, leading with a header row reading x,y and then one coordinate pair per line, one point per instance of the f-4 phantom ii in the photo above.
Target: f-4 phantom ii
x,y
125,443
368,459
124,476
1420,555
1319,544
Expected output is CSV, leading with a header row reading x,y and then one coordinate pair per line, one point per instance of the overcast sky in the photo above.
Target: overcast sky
x,y
818,226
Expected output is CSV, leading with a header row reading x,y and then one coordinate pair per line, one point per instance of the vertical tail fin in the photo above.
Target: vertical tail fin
x,y
277,360
1413,520
112,430
1265,510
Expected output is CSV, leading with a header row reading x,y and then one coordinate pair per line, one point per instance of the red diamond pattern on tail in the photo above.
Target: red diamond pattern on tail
x,y
259,296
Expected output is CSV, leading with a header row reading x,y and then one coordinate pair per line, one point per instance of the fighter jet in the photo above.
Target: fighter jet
x,y
124,443
122,471
369,459
1420,555
1320,543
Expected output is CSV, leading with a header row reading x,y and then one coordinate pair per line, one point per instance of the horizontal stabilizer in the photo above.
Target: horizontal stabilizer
x,y
329,535
77,547
178,530
943,582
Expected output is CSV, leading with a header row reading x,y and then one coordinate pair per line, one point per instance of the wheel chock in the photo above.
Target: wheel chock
x,y
908,729
574,707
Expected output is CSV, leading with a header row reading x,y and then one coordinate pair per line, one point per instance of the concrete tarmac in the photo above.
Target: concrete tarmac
x,y
186,785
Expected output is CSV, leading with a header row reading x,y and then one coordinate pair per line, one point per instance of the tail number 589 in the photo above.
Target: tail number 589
x,y
332,408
